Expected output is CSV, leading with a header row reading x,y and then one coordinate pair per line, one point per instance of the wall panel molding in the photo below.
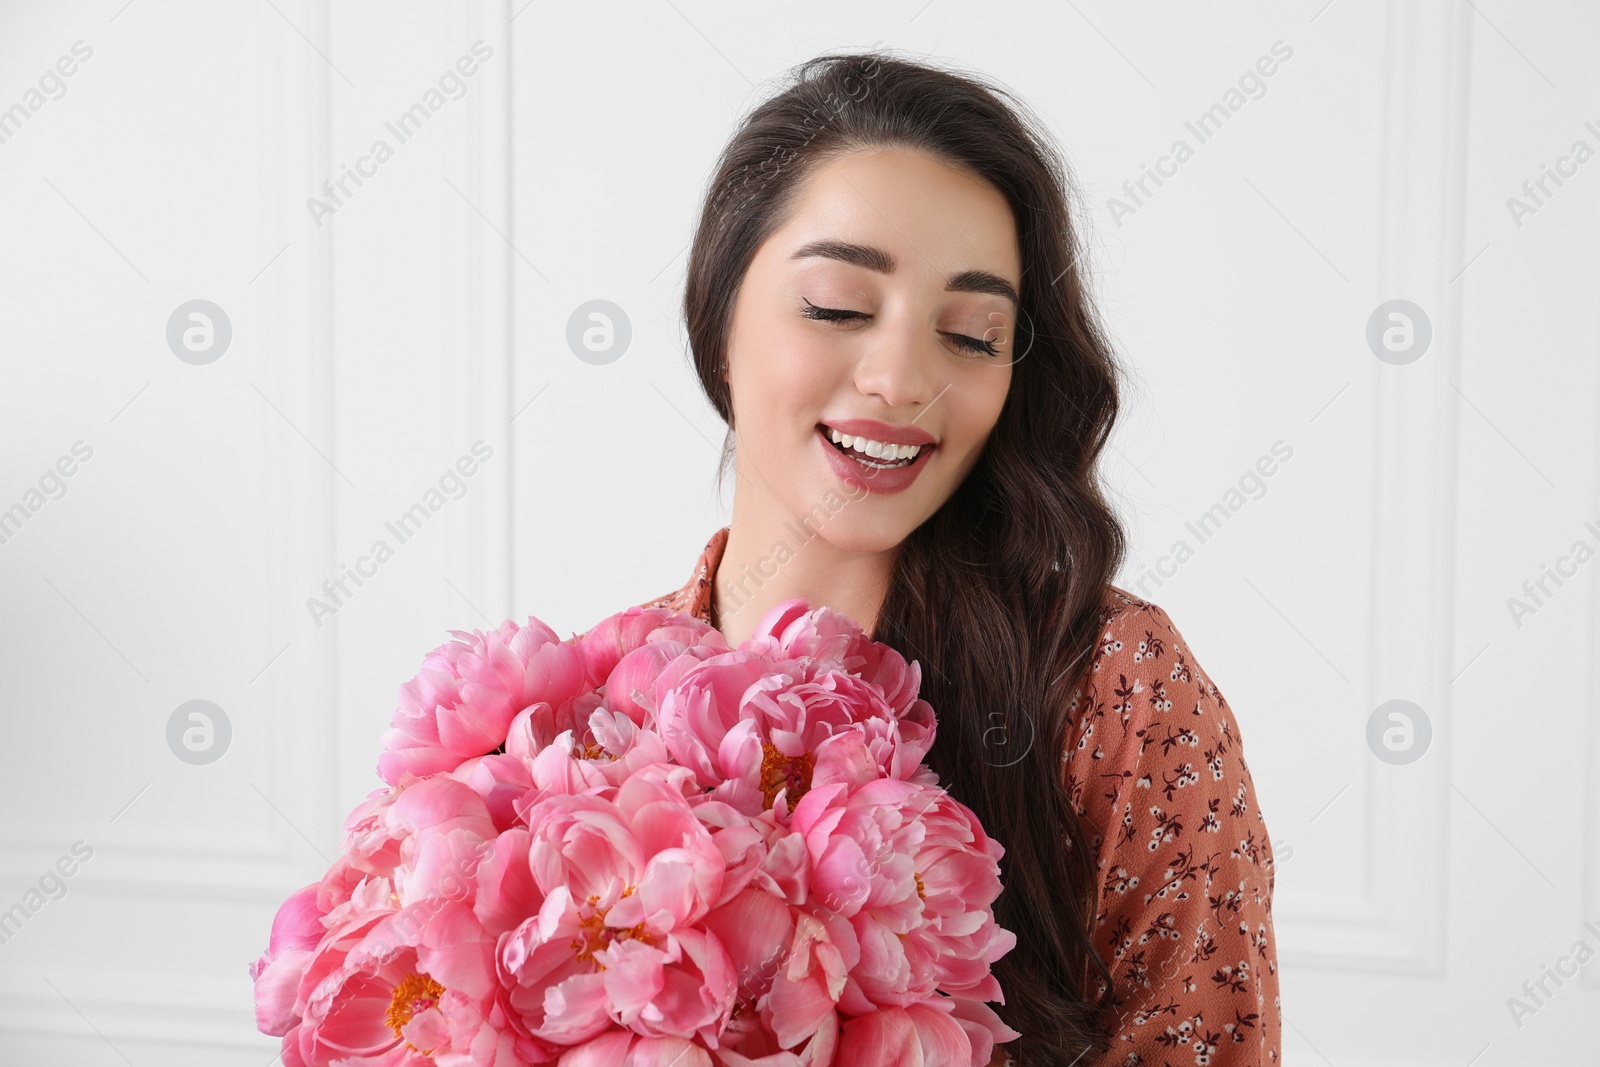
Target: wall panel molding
x,y
1400,923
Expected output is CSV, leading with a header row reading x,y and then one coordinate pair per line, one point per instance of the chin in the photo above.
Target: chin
x,y
856,528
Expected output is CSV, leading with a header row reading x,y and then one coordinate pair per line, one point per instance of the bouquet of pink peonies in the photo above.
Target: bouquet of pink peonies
x,y
642,847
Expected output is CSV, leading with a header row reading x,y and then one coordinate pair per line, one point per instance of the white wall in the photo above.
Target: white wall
x,y
429,312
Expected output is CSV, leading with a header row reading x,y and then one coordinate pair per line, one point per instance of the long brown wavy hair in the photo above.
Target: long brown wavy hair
x,y
997,594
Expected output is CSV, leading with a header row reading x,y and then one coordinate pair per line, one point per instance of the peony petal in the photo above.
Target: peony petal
x,y
755,928
275,988
667,1052
906,1037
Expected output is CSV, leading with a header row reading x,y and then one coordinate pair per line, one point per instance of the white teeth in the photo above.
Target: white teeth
x,y
874,449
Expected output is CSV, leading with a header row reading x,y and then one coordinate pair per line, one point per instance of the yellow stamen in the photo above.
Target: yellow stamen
x,y
595,936
779,772
415,993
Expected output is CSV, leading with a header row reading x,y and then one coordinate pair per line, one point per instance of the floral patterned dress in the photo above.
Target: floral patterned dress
x,y
1156,768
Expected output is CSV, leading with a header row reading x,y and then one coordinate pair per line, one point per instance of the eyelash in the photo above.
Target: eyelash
x,y
971,344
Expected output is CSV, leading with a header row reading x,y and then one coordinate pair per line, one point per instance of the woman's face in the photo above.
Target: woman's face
x,y
887,296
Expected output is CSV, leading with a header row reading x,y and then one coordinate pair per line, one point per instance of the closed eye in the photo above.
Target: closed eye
x,y
812,311
972,345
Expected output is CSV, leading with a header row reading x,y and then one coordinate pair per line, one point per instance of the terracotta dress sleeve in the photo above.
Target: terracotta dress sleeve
x,y
1184,920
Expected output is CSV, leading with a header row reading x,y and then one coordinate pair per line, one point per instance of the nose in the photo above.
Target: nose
x,y
898,367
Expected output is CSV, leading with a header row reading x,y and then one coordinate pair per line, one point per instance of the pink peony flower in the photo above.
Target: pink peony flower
x,y
369,852
406,973
407,987
296,929
599,757
461,703
616,636
984,1028
770,736
643,847
635,683
793,630
501,780
813,975
823,639
506,894
379,859
617,940
915,1036
622,1048
912,872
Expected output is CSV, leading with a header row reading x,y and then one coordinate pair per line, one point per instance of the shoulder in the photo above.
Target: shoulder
x,y
677,600
1141,652
1150,729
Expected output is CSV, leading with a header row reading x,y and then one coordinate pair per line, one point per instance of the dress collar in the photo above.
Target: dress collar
x,y
695,595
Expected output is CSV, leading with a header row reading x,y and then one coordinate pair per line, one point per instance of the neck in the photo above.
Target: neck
x,y
770,559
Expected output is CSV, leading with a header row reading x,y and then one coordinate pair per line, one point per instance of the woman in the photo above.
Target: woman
x,y
884,305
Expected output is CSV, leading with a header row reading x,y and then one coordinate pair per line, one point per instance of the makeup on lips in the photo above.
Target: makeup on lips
x,y
874,455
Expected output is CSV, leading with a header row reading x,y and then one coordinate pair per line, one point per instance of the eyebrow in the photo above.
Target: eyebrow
x,y
876,259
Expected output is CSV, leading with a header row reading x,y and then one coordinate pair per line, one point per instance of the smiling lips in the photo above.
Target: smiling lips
x,y
888,455
873,455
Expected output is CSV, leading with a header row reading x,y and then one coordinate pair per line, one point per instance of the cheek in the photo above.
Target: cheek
x,y
983,396
985,389
793,370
